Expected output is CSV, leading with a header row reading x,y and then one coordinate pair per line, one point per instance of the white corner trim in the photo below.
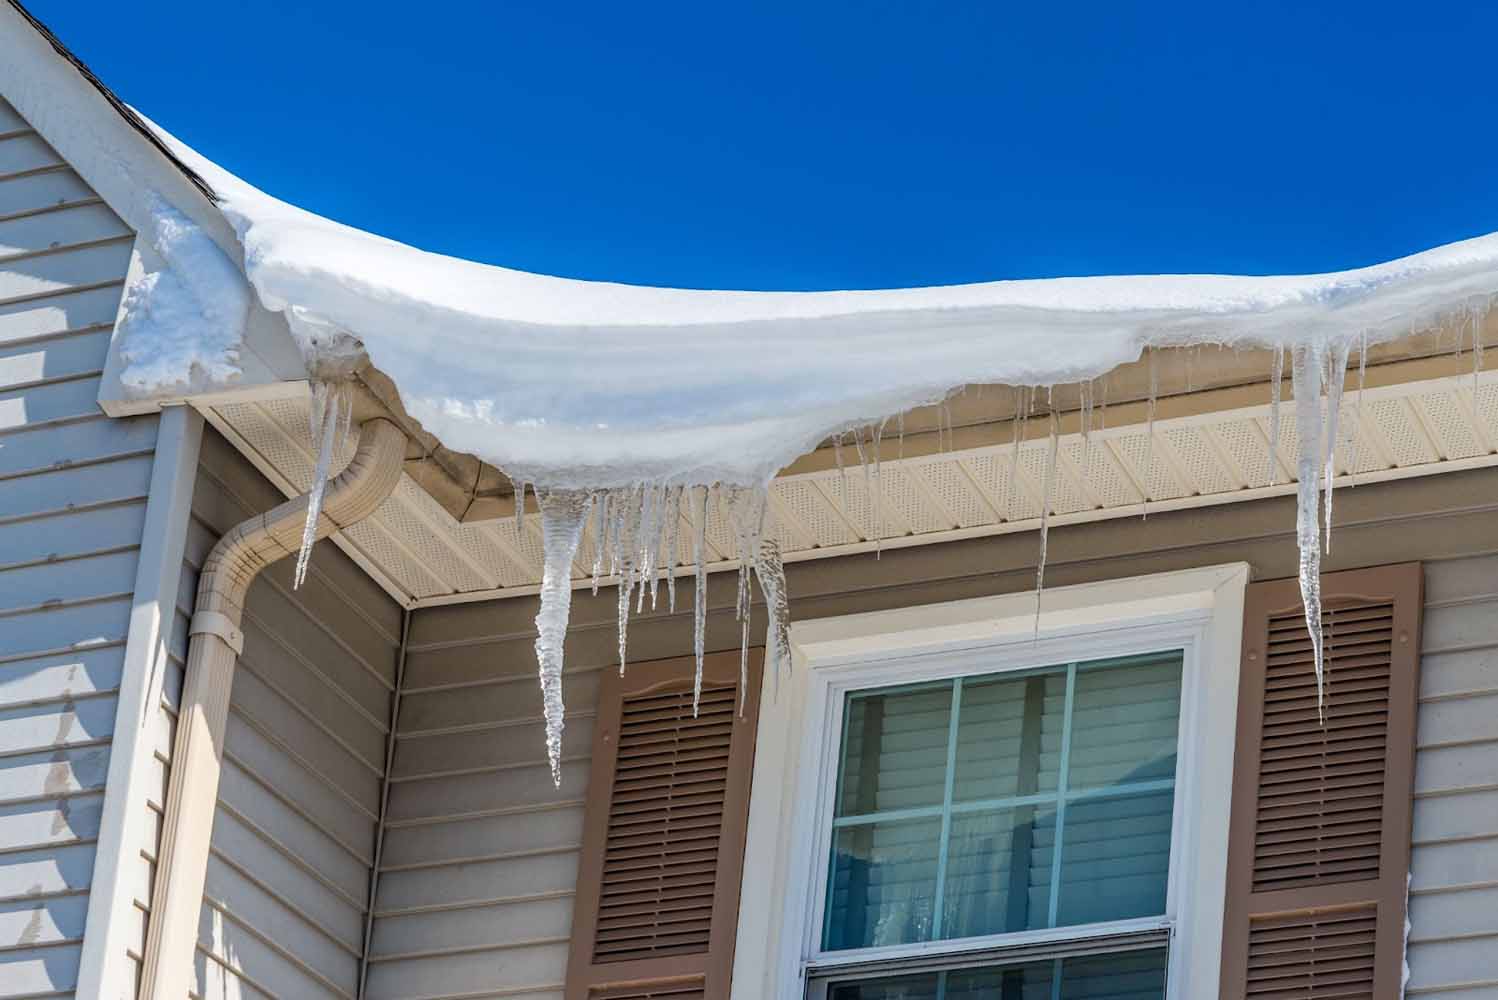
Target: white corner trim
x,y
1201,608
104,969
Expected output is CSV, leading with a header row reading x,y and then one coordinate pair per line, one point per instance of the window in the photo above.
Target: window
x,y
992,804
969,808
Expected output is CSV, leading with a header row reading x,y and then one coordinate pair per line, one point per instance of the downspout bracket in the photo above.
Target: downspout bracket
x,y
219,624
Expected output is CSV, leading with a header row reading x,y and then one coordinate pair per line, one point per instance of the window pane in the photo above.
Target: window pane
x,y
1009,736
1115,858
1129,975
1124,723
1031,981
883,886
895,751
923,987
999,872
1133,975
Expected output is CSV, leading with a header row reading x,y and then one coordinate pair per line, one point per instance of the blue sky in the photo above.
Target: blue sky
x,y
837,144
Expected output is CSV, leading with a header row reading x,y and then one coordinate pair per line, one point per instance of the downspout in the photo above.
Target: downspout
x,y
214,645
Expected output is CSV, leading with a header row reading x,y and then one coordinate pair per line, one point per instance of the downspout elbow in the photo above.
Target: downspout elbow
x,y
254,544
213,648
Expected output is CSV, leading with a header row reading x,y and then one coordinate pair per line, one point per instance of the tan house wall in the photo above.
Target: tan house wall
x,y
298,801
476,887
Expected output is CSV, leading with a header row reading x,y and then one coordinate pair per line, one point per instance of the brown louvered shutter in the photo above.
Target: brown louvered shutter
x,y
663,838
1319,848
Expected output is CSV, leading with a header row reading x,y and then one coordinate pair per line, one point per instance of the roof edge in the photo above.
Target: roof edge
x,y
124,110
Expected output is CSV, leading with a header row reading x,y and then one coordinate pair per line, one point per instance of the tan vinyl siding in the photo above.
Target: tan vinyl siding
x,y
1453,948
481,853
73,486
293,837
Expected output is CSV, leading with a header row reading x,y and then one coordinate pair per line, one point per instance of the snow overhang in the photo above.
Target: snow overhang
x,y
449,533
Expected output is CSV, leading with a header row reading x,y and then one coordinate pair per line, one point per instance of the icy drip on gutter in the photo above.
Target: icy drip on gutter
x,y
332,411
636,533
1306,366
563,516
637,528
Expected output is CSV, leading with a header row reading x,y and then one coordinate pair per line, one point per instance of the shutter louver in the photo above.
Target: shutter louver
x,y
1319,847
663,840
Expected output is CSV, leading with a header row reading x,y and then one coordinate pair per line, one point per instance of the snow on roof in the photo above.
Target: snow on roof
x,y
564,382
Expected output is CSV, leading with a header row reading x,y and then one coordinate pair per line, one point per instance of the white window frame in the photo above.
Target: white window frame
x,y
1198,611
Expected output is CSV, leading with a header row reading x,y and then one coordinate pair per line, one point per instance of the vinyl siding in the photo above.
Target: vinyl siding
x,y
293,836
73,487
1453,947
480,859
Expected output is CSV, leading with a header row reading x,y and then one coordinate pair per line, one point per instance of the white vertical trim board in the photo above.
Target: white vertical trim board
x,y
1199,611
105,970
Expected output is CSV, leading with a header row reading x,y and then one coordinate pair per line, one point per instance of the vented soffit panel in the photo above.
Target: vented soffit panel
x,y
1422,411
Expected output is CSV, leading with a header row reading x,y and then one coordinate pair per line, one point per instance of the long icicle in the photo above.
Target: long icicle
x,y
842,473
672,557
563,516
1336,377
1149,431
1305,373
1276,390
770,570
1356,460
1021,416
327,399
871,500
600,535
1045,512
628,527
1085,392
699,608
878,442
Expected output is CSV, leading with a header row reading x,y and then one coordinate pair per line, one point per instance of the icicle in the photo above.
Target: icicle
x,y
643,559
878,442
946,414
1276,391
1103,411
327,400
1085,391
668,563
1476,348
624,585
1357,430
1021,416
626,537
868,482
771,572
563,515
520,507
842,472
1337,375
747,507
1045,512
600,535
699,609
900,432
1305,374
743,640
1149,430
